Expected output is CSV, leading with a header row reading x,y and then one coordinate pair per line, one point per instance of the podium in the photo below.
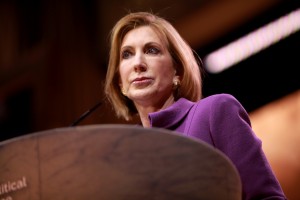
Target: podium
x,y
114,162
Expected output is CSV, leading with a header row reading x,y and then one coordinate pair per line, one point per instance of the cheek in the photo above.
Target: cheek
x,y
123,74
166,70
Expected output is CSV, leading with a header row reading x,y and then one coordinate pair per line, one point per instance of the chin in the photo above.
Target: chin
x,y
142,95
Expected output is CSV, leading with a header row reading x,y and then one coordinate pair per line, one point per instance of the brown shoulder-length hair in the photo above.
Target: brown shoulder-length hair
x,y
186,63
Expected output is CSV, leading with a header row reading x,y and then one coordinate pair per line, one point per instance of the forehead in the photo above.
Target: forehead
x,y
143,34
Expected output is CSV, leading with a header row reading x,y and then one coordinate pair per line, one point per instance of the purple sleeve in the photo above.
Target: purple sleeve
x,y
231,133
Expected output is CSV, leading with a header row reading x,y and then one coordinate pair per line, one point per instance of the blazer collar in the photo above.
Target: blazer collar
x,y
170,116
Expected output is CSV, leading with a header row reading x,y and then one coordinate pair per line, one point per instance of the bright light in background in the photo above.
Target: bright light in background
x,y
252,43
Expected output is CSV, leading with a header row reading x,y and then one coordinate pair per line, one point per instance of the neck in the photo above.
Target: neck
x,y
144,110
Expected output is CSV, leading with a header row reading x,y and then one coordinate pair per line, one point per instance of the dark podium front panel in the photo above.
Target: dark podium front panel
x,y
114,162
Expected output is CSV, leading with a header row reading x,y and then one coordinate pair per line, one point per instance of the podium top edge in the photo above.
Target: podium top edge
x,y
91,127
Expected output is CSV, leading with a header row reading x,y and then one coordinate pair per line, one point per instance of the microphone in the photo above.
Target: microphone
x,y
87,113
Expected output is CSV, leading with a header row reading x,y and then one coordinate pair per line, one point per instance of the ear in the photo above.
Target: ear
x,y
122,89
176,78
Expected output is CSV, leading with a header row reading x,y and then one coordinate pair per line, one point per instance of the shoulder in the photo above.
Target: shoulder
x,y
224,107
221,106
220,100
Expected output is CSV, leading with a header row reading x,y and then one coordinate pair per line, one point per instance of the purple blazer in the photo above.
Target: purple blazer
x,y
221,121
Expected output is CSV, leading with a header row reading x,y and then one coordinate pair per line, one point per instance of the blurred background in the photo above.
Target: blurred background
x,y
53,60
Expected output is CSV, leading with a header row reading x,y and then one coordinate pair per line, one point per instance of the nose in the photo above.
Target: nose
x,y
139,63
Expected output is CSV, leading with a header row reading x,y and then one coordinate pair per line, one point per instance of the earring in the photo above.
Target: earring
x,y
176,83
123,91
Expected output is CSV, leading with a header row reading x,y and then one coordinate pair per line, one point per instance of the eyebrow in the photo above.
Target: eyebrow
x,y
145,45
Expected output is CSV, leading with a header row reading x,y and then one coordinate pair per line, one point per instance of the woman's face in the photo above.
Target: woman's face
x,y
146,67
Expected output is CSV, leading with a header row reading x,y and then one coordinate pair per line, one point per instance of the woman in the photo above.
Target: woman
x,y
154,74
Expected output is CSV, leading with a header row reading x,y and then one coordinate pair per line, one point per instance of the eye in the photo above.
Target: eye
x,y
152,50
125,54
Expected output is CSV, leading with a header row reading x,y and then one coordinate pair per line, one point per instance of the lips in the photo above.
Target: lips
x,y
141,80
